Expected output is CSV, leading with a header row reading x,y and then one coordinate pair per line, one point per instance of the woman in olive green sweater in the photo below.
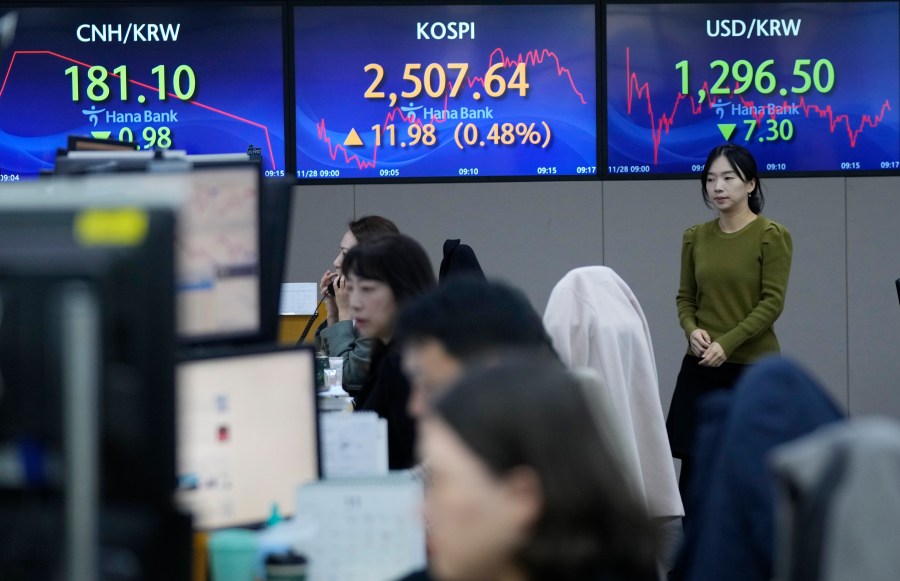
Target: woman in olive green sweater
x,y
734,275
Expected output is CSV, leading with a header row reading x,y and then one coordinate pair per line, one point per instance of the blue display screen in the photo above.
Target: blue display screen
x,y
806,87
200,79
395,92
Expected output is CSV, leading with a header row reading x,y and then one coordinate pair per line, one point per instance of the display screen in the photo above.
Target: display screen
x,y
396,92
247,435
218,255
217,245
806,87
200,79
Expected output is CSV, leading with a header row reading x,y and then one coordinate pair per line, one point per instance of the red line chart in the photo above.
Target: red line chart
x,y
660,125
143,85
532,57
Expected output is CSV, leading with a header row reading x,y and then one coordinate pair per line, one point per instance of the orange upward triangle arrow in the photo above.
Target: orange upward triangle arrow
x,y
353,139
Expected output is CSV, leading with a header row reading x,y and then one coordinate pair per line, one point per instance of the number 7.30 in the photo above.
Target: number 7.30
x,y
778,130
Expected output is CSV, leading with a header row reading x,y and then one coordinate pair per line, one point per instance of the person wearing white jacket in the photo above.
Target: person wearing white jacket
x,y
596,322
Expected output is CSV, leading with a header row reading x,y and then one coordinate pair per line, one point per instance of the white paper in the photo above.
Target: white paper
x,y
298,298
367,529
353,444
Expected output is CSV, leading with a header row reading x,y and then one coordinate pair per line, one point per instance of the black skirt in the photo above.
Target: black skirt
x,y
694,381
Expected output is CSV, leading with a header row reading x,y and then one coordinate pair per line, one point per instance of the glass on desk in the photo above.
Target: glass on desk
x,y
332,378
286,567
321,366
337,365
232,555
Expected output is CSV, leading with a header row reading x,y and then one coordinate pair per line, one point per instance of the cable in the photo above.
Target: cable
x,y
312,319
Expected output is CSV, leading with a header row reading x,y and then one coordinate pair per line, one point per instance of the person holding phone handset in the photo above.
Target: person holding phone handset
x,y
338,337
734,276
383,275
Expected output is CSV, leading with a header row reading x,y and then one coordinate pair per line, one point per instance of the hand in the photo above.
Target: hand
x,y
330,304
700,342
714,356
342,298
327,279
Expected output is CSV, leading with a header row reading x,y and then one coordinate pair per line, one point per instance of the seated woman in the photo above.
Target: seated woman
x,y
382,275
338,336
522,486
596,322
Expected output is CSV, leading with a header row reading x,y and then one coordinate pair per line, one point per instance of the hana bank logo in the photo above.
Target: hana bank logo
x,y
410,111
720,108
92,114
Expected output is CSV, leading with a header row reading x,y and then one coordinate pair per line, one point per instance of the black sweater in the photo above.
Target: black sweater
x,y
386,392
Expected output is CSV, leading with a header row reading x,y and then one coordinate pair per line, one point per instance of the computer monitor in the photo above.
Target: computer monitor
x,y
123,257
80,161
218,270
275,219
84,143
247,434
218,255
87,348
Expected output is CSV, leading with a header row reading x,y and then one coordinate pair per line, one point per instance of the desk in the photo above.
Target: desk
x,y
290,327
334,403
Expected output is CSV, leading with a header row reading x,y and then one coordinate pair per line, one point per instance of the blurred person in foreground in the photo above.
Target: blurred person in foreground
x,y
465,321
522,486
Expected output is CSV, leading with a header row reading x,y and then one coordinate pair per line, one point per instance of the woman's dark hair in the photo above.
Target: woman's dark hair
x,y
741,161
396,260
369,227
533,413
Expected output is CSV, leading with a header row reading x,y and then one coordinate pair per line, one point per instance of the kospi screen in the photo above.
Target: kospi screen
x,y
806,87
426,91
202,79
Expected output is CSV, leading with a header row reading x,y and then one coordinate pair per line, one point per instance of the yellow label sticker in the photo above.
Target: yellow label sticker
x,y
111,227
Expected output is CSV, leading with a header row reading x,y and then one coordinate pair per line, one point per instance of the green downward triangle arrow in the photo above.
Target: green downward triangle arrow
x,y
727,130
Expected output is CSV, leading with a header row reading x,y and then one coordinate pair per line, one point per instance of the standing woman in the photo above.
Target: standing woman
x,y
383,274
734,275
